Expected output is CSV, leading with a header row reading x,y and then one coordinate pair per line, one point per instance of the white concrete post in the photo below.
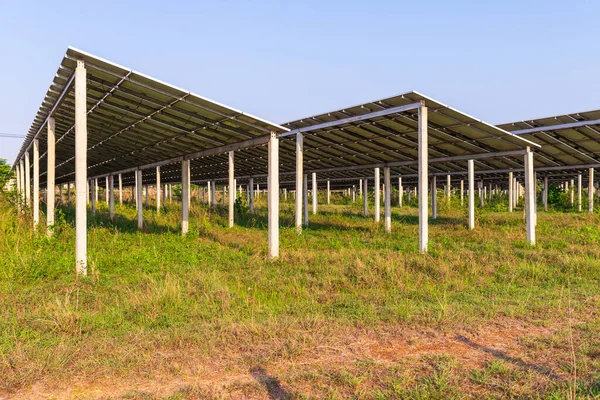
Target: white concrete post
x,y
299,180
158,191
105,191
94,201
377,192
315,194
111,196
387,200
27,180
231,190
360,188
251,196
19,187
120,190
462,192
365,197
448,187
60,194
572,191
545,195
139,198
328,192
185,198
305,198
511,196
273,196
529,197
434,197
579,186
80,167
471,200
36,183
214,193
591,190
400,191
423,176
481,193
208,191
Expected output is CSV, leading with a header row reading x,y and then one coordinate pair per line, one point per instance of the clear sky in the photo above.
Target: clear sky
x,y
281,60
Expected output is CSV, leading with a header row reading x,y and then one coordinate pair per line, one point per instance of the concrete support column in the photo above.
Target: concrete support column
x,y
27,180
158,191
80,167
387,200
120,190
434,197
423,176
19,187
579,186
365,197
328,192
471,200
400,191
94,201
545,194
591,190
511,196
231,190
481,193
105,191
315,194
208,192
214,193
462,192
251,195
36,183
111,196
360,188
448,187
69,194
377,192
273,197
529,197
305,198
185,198
138,198
299,180
572,192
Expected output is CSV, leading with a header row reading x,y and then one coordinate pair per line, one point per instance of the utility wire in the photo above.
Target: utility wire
x,y
11,135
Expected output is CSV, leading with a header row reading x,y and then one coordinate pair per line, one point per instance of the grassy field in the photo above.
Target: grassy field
x,y
346,312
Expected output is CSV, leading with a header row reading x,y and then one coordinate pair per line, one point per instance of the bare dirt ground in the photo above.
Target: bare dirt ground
x,y
225,377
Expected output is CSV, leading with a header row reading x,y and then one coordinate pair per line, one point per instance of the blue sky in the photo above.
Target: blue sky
x,y
283,60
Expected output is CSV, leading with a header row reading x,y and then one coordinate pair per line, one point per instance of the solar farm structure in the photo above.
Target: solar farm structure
x,y
104,125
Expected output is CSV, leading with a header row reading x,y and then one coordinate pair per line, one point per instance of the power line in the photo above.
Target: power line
x,y
11,135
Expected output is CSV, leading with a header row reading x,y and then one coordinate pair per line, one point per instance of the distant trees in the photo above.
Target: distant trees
x,y
5,173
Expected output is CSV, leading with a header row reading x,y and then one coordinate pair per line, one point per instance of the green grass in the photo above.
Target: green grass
x,y
159,305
